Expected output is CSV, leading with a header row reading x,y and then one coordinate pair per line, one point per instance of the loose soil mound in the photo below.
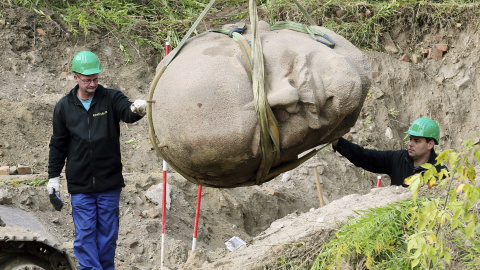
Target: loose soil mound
x,y
34,74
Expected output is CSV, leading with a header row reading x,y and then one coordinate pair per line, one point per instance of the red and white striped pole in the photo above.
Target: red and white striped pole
x,y
379,181
164,191
167,48
197,215
164,211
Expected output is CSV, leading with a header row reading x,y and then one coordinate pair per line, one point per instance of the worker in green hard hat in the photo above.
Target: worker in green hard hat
x,y
424,135
86,137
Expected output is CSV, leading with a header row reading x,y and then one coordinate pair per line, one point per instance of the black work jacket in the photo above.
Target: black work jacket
x,y
89,140
397,164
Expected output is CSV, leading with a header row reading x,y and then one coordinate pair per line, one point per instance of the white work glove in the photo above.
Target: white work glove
x,y
139,107
53,185
53,188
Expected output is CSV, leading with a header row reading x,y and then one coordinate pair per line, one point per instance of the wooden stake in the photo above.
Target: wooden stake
x,y
317,182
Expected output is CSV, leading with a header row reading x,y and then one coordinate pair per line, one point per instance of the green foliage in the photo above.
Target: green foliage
x,y
13,182
34,183
364,22
375,240
414,234
367,122
370,94
132,141
130,22
469,254
435,220
37,182
154,22
393,112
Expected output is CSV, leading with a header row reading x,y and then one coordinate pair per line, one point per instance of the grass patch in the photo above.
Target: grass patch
x,y
131,22
374,240
154,22
364,22
37,182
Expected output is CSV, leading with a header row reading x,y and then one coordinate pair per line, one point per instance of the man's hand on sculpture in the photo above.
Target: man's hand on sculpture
x,y
139,107
53,185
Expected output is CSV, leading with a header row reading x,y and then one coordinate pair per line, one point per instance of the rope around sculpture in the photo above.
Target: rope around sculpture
x,y
269,132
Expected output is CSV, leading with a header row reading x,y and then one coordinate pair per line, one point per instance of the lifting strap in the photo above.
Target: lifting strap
x,y
153,85
269,132
305,29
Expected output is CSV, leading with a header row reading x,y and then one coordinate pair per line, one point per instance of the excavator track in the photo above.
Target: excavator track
x,y
22,248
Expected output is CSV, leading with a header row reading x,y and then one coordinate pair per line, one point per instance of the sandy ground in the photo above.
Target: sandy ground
x,y
34,74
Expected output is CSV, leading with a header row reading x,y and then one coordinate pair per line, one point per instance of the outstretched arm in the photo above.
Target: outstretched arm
x,y
371,160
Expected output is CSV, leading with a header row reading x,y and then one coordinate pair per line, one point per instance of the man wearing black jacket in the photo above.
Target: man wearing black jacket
x,y
86,133
399,165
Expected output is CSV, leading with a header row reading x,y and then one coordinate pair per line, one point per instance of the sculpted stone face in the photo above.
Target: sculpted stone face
x,y
205,118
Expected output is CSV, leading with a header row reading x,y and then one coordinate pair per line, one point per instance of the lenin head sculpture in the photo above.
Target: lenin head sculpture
x,y
205,119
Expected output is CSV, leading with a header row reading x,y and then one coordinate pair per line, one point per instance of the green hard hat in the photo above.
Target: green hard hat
x,y
425,127
86,63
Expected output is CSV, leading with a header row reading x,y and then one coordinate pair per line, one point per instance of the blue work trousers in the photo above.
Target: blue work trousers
x,y
96,219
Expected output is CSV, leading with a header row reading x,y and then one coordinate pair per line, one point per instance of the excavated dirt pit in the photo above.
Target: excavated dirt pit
x,y
35,75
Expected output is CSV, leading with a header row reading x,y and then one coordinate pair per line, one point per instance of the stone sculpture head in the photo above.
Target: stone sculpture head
x,y
205,119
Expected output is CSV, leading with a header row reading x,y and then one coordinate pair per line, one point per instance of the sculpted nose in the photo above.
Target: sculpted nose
x,y
283,95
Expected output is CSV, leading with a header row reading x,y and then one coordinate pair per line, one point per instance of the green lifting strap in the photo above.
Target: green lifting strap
x,y
269,134
168,59
305,29
305,13
236,34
